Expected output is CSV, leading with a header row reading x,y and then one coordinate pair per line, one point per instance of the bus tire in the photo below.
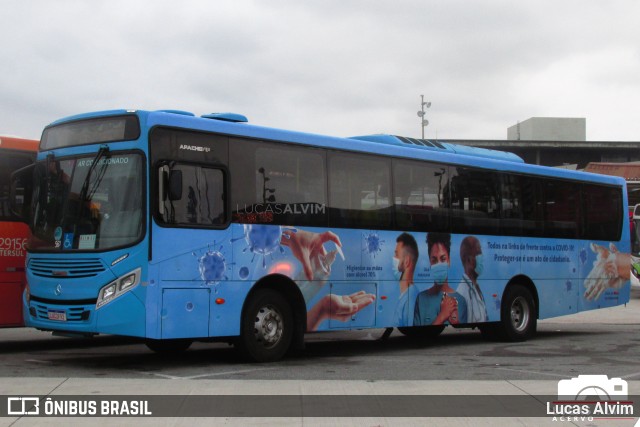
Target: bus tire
x,y
167,347
422,332
518,318
267,327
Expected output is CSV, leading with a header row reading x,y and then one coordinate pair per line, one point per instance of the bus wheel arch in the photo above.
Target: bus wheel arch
x,y
274,302
519,312
527,283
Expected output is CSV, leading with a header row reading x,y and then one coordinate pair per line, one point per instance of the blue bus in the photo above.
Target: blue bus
x,y
173,228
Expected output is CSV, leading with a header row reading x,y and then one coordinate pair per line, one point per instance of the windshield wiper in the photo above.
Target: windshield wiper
x,y
104,150
85,194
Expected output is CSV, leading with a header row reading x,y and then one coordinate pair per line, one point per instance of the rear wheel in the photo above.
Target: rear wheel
x,y
422,332
518,320
267,327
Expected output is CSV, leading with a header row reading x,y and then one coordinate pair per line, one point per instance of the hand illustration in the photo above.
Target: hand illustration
x,y
448,311
337,307
308,248
611,269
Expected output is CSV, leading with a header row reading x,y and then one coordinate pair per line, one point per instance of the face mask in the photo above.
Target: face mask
x,y
479,264
440,272
396,272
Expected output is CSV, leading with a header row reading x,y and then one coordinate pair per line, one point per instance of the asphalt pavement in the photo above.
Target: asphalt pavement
x,y
377,392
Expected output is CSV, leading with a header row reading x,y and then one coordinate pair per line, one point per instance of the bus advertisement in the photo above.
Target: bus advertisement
x,y
174,228
15,153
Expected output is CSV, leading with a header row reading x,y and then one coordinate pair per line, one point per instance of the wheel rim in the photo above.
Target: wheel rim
x,y
520,314
269,326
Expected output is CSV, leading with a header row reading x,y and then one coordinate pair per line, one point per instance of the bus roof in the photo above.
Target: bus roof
x,y
233,124
14,143
426,144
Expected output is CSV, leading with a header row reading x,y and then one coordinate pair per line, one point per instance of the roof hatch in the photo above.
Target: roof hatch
x,y
227,117
427,144
182,113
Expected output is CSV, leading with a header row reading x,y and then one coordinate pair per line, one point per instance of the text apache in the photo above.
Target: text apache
x,y
194,148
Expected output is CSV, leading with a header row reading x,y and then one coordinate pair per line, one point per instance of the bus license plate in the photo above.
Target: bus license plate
x,y
58,315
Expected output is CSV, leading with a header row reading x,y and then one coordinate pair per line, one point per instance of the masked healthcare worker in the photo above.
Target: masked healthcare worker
x,y
473,264
439,304
405,258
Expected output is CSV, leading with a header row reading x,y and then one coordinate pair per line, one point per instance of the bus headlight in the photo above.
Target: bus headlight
x,y
120,286
108,292
127,282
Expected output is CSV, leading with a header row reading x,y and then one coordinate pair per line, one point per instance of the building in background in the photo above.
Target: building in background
x,y
549,129
554,141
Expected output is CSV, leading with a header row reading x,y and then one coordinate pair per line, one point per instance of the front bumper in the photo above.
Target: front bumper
x,y
123,316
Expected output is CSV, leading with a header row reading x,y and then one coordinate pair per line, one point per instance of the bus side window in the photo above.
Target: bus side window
x,y
602,212
561,209
420,200
278,184
474,201
359,191
511,205
199,201
532,207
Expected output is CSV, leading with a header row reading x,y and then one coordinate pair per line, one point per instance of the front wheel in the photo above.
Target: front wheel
x,y
518,318
267,327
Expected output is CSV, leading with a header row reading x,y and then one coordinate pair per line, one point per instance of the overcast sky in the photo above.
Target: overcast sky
x,y
337,67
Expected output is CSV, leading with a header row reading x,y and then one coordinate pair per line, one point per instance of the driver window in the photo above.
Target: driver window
x,y
195,195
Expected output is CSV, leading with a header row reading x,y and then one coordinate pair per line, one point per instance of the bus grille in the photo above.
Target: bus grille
x,y
74,314
62,269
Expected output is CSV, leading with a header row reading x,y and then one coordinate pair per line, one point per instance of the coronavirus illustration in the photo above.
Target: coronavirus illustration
x,y
568,285
212,266
372,244
262,240
583,256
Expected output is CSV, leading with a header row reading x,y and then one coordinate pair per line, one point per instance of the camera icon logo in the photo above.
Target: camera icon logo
x,y
23,406
593,387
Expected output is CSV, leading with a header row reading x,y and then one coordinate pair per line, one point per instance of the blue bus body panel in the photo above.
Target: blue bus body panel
x,y
77,296
227,264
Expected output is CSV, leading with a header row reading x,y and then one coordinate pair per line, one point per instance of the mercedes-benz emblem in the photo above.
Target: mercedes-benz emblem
x,y
58,290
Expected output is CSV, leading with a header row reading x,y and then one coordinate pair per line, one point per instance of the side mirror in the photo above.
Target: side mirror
x,y
175,185
21,191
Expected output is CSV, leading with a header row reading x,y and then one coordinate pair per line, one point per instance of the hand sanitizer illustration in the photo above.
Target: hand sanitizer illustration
x,y
321,267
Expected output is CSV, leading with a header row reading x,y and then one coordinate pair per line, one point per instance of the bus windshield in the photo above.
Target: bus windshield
x,y
87,203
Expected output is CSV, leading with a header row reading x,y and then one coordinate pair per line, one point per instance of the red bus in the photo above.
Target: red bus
x,y
15,153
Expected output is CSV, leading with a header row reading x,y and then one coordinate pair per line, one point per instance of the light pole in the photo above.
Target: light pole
x,y
421,113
